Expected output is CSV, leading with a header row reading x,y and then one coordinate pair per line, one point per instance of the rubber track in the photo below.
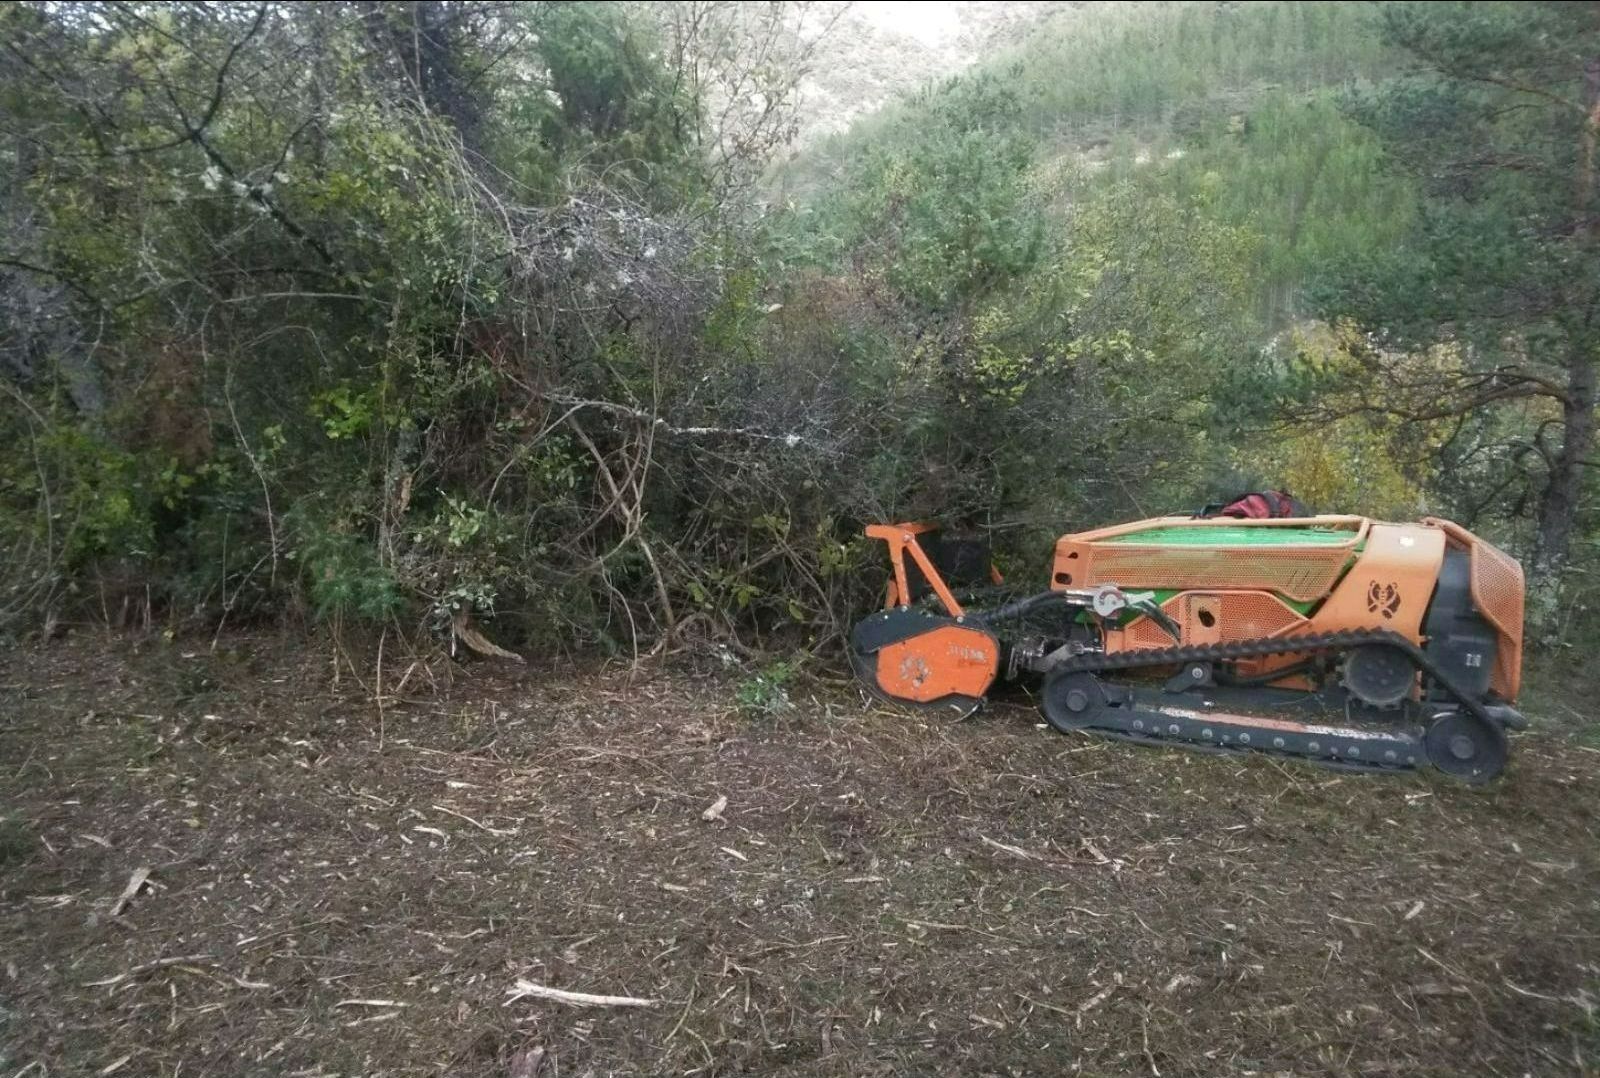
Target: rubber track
x,y
1094,663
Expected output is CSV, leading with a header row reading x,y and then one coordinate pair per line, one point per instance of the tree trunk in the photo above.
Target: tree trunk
x,y
1558,507
1586,147
37,324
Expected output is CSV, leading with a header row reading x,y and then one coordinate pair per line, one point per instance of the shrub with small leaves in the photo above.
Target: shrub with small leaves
x,y
766,694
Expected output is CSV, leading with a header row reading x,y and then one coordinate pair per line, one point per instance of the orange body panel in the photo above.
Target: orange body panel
x,y
1233,615
949,661
1390,584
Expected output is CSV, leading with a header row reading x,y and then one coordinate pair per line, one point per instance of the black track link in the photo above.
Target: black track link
x,y
1095,663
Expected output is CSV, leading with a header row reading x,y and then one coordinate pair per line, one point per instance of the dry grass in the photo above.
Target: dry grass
x,y
879,896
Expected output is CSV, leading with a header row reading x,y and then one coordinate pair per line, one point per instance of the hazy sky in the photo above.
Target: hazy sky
x,y
929,21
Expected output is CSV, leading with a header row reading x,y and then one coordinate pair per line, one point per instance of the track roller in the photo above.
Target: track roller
x,y
1073,701
1474,752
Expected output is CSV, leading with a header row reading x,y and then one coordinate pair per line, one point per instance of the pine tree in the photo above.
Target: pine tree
x,y
1499,124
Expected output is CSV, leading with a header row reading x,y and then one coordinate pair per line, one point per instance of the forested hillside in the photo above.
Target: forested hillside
x,y
524,322
1307,244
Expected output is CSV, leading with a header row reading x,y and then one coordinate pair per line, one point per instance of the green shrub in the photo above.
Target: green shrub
x,y
766,694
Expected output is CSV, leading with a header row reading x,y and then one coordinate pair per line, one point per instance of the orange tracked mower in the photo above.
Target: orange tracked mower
x,y
1337,639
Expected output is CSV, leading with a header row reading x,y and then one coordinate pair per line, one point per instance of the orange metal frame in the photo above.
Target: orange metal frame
x,y
902,540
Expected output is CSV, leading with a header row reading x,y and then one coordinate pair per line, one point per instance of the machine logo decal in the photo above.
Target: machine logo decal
x,y
1383,598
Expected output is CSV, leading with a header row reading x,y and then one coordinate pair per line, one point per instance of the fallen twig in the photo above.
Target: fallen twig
x,y
149,967
136,881
1094,1001
1004,847
525,988
465,632
1047,1006
787,946
475,823
1098,998
1579,1000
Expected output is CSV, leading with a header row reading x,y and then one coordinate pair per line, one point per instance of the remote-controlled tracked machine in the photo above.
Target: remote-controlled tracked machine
x,y
1336,639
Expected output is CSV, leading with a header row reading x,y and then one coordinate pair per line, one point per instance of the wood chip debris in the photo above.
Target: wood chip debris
x,y
475,823
370,1003
528,1063
136,881
524,989
1094,852
147,967
1040,1003
1006,847
1094,1001
1279,1011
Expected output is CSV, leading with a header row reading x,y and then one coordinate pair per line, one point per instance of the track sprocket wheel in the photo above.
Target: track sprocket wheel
x,y
1379,675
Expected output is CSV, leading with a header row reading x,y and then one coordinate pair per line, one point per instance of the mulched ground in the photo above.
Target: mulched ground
x,y
328,894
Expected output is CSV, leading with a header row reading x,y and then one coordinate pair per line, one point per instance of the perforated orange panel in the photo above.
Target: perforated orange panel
x,y
1145,633
1249,615
1238,615
1302,573
1498,591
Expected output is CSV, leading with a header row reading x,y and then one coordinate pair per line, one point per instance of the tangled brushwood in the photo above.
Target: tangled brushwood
x,y
371,322
517,325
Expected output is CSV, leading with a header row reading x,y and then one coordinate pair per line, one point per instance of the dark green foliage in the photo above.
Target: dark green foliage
x,y
1502,268
418,315
612,97
946,216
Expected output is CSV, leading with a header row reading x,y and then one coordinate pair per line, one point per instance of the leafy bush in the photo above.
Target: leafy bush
x,y
766,694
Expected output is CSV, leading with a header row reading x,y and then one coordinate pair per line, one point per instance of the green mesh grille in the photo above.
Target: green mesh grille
x,y
1180,535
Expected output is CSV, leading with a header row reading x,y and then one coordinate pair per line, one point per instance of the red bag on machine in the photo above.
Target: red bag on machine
x,y
1263,505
